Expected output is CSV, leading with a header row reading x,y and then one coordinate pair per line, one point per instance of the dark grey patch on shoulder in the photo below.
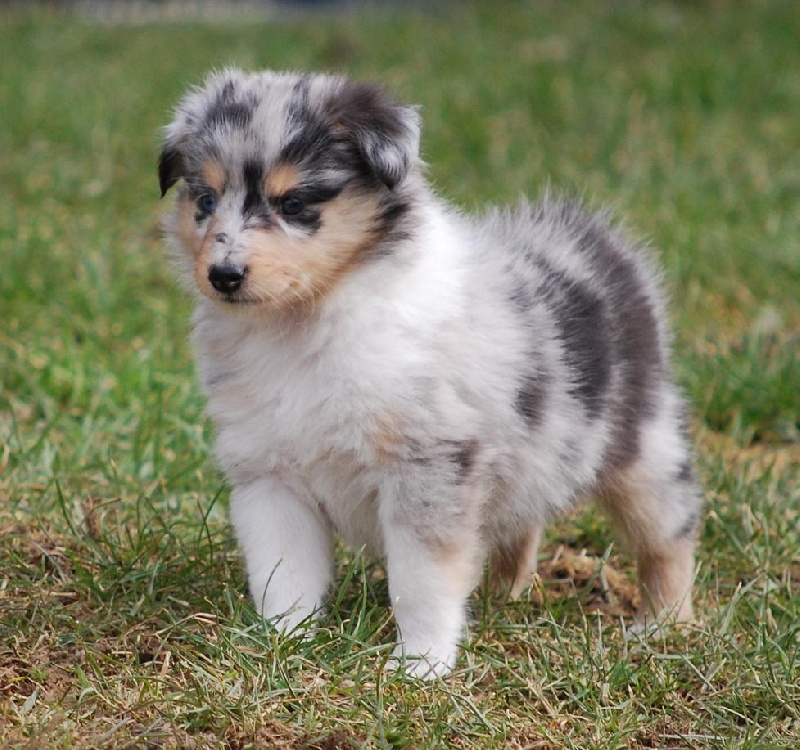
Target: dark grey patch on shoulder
x,y
582,321
530,400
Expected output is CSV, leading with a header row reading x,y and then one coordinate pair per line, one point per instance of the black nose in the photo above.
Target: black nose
x,y
226,278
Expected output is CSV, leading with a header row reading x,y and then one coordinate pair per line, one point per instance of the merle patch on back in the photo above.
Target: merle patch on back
x,y
582,323
635,338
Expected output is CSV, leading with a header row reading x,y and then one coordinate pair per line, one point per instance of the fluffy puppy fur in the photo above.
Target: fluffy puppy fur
x,y
430,386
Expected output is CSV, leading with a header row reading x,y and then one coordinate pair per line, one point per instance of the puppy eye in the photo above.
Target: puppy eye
x,y
207,203
292,206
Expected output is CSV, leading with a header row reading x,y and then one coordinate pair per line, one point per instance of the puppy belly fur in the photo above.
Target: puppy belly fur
x,y
430,386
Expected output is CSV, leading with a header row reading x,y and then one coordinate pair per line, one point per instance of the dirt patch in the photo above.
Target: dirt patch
x,y
597,582
42,670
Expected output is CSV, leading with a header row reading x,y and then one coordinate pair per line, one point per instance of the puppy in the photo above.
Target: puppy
x,y
430,386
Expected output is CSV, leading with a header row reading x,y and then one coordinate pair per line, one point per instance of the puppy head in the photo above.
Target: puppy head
x,y
288,183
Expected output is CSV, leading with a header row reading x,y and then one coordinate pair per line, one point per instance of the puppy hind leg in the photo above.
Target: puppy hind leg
x,y
512,566
658,514
666,575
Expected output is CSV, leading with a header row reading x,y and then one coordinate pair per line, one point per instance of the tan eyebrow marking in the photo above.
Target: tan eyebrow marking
x,y
281,180
214,176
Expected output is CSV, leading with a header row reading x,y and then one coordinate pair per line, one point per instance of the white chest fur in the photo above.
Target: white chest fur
x,y
312,400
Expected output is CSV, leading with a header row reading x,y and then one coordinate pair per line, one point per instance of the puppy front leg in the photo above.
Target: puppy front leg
x,y
287,549
433,561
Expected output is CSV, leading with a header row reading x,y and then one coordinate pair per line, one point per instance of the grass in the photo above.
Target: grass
x,y
123,621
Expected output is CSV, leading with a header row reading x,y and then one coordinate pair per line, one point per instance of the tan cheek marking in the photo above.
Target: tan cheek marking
x,y
285,271
186,231
339,245
184,225
281,179
214,176
273,275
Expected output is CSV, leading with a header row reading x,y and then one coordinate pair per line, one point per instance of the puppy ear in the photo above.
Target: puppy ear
x,y
386,134
170,167
172,162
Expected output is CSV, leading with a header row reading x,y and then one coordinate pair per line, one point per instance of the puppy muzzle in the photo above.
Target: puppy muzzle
x,y
226,278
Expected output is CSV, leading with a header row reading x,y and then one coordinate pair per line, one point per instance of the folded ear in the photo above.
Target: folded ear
x,y
172,161
170,167
205,102
386,134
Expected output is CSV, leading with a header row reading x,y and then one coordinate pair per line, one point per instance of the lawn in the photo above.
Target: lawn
x,y
123,617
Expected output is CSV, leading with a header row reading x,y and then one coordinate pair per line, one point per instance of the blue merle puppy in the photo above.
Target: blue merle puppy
x,y
431,386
